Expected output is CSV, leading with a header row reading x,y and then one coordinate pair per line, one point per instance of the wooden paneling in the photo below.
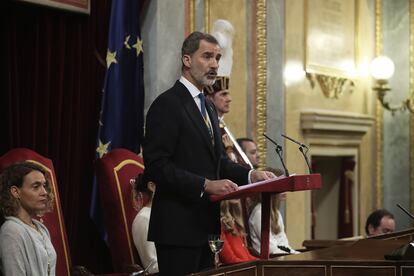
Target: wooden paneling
x,y
363,270
297,270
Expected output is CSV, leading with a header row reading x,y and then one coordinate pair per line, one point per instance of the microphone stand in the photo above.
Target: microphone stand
x,y
279,151
405,211
303,149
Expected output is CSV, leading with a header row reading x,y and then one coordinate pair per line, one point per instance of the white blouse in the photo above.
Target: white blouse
x,y
146,249
255,227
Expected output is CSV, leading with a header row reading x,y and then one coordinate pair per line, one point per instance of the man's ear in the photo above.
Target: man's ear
x,y
371,229
186,59
15,192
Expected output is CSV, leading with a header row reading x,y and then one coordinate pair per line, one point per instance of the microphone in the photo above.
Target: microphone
x,y
405,211
301,149
279,151
143,271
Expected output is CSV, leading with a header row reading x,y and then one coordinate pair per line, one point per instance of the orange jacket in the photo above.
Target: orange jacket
x,y
234,249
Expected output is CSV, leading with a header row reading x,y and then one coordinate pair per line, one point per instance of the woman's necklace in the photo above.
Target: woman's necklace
x,y
34,226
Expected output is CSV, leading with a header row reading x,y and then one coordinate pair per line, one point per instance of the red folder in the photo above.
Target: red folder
x,y
267,187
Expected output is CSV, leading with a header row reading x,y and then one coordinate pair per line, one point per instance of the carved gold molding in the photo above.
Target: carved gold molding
x,y
332,87
191,7
411,114
207,16
261,77
378,111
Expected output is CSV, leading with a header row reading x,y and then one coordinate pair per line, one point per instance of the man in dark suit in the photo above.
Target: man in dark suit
x,y
183,153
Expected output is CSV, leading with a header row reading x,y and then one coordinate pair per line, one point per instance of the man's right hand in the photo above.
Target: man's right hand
x,y
220,187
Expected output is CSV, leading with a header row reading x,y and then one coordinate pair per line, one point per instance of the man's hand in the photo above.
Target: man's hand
x,y
261,175
220,187
226,141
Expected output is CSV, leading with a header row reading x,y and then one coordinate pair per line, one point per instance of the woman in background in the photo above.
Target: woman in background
x,y
233,234
25,245
278,241
144,191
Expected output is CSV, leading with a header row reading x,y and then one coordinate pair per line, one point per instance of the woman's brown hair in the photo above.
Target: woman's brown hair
x,y
14,176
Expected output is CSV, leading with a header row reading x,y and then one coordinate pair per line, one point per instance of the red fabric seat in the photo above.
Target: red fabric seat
x,y
53,220
114,172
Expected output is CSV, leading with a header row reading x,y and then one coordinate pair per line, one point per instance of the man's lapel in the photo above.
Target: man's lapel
x,y
216,129
196,117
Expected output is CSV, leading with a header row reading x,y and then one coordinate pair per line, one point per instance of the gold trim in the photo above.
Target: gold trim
x,y
207,16
325,267
192,15
121,200
243,269
411,95
261,78
59,210
379,138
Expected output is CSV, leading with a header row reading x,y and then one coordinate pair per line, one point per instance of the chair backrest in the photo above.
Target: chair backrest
x,y
53,220
114,171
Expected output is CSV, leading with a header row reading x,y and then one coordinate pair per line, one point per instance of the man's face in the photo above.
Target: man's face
x,y
251,152
202,66
221,100
387,225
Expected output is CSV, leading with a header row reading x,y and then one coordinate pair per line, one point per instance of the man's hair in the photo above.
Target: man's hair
x,y
240,141
192,42
375,218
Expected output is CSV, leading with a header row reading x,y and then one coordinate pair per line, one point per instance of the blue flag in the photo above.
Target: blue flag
x,y
121,121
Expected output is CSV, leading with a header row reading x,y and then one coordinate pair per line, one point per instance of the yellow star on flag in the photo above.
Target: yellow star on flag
x,y
110,58
102,148
126,42
138,46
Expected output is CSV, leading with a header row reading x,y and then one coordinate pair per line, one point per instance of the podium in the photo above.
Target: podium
x,y
268,187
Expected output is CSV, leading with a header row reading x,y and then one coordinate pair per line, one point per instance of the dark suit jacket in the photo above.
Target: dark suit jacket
x,y
179,155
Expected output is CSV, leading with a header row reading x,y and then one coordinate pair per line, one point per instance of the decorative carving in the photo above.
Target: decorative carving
x,y
261,78
332,87
412,101
378,112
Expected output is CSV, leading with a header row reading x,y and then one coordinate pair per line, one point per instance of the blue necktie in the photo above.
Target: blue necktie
x,y
204,114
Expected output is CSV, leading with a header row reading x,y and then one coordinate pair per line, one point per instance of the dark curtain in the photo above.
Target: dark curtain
x,y
50,93
345,210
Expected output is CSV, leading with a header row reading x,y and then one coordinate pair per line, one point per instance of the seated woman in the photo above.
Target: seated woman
x,y
25,245
144,190
233,234
278,242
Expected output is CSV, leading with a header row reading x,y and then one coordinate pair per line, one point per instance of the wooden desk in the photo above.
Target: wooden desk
x,y
406,235
364,257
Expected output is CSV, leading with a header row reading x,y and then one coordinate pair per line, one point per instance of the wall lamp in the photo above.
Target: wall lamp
x,y
382,69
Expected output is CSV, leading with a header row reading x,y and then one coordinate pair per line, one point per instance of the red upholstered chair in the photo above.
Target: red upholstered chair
x,y
114,171
53,220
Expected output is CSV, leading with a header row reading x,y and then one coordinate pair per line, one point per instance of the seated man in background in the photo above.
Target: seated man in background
x,y
249,147
380,222
143,193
